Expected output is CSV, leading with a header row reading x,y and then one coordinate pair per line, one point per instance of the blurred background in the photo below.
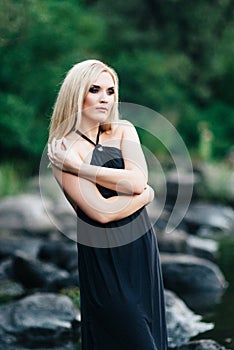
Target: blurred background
x,y
173,56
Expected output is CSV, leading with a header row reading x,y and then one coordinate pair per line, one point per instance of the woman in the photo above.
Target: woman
x,y
99,163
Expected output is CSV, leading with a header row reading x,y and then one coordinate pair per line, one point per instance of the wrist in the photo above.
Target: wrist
x,y
71,168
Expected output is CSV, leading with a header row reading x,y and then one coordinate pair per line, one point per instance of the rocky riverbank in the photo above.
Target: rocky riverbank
x,y
38,271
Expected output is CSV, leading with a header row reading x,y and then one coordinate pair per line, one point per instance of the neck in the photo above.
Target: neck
x,y
89,129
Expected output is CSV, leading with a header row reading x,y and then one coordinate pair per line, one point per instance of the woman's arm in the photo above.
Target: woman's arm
x,y
85,195
132,179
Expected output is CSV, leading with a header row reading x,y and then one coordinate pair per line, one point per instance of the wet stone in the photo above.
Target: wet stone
x,y
42,318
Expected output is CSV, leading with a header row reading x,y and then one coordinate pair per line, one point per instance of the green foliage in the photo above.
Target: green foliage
x,y
10,290
173,56
221,122
153,77
11,179
36,53
15,123
73,293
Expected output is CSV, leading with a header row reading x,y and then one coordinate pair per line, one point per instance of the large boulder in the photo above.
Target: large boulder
x,y
186,272
209,219
14,243
182,323
178,241
62,254
199,282
26,213
182,183
202,247
39,319
173,242
61,212
33,273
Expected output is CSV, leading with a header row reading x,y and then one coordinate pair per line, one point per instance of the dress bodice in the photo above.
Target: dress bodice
x,y
109,157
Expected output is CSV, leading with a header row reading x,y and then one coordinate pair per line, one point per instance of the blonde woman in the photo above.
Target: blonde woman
x,y
98,161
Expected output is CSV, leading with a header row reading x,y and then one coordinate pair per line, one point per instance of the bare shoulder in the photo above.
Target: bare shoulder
x,y
124,127
128,130
125,123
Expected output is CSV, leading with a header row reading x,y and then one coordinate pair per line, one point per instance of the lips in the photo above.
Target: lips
x,y
102,109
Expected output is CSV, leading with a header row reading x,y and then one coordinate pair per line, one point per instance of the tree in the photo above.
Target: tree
x,y
47,38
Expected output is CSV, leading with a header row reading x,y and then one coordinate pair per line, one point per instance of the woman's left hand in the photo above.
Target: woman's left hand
x,y
63,156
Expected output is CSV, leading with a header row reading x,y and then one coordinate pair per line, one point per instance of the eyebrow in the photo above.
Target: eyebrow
x,y
98,86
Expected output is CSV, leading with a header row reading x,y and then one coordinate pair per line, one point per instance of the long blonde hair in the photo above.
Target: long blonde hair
x,y
68,107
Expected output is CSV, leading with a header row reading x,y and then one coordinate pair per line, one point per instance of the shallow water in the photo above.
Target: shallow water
x,y
222,315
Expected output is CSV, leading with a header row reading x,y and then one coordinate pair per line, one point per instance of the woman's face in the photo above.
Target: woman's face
x,y
100,98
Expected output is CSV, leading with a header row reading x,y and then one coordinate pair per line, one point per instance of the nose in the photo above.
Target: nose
x,y
104,97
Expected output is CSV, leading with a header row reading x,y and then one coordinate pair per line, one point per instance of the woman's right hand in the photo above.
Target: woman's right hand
x,y
62,155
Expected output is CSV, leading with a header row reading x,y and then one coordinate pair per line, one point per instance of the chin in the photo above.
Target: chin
x,y
102,118
97,117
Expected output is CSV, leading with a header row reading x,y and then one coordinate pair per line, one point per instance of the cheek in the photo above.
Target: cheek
x,y
89,100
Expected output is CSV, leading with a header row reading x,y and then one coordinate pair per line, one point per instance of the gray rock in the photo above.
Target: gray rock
x,y
185,182
56,205
10,245
201,301
208,219
39,319
182,323
26,213
62,254
174,242
66,217
179,241
10,290
185,272
202,247
199,282
204,344
6,271
46,185
33,273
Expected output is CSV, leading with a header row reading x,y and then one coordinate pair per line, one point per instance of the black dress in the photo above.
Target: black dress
x,y
122,299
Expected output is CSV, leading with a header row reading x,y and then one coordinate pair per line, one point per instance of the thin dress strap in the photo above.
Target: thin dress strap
x,y
96,144
98,135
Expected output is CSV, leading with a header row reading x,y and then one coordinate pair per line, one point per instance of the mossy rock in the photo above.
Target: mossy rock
x,y
10,290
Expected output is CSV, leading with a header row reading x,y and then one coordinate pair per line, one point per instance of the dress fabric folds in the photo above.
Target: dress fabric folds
x,y
121,289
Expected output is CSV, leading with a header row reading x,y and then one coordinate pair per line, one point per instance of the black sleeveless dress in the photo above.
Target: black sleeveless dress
x,y
122,299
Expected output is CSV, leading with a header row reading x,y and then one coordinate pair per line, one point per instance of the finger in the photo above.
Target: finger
x,y
49,151
56,146
60,146
53,145
51,158
64,144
